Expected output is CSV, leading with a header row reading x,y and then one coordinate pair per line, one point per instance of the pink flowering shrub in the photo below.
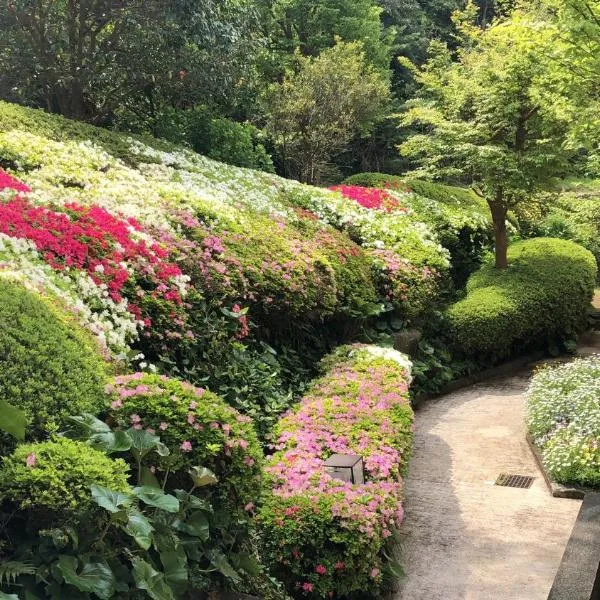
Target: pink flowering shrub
x,y
404,284
325,537
198,428
374,198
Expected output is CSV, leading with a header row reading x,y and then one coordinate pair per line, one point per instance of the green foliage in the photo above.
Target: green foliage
x,y
49,368
574,215
539,301
219,138
54,478
317,109
125,542
314,26
127,61
563,417
494,119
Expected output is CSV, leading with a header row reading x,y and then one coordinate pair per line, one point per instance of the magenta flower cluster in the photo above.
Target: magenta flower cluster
x,y
359,407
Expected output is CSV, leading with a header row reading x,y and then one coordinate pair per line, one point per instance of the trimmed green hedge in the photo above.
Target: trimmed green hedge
x,y
540,300
49,367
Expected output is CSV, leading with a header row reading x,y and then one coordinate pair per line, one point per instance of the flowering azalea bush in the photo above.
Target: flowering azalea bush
x,y
196,426
326,537
563,417
369,197
271,258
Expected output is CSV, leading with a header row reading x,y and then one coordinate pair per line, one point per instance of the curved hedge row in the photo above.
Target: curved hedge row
x,y
541,299
563,417
325,537
49,366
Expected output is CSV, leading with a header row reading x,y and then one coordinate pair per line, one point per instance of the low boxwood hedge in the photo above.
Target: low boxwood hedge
x,y
539,301
49,367
325,537
563,417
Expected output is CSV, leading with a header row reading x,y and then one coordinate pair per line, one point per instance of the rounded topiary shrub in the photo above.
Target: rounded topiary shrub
x,y
54,477
540,300
49,367
199,429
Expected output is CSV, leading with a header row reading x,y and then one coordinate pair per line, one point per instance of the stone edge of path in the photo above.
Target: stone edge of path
x,y
498,371
558,490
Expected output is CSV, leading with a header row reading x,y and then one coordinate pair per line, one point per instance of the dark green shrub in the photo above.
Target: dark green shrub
x,y
55,476
574,216
226,140
49,367
540,300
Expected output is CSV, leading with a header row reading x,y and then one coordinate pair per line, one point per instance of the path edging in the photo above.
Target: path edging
x,y
480,376
558,490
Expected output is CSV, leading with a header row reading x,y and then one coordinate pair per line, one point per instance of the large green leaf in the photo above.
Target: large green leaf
x,y
12,420
140,529
175,566
147,578
111,441
202,476
142,442
219,560
192,501
195,525
90,424
94,577
110,500
157,498
4,596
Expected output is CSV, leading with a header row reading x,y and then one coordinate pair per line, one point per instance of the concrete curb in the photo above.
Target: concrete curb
x,y
557,489
481,376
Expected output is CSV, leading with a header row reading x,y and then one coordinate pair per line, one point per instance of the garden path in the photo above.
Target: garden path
x,y
465,538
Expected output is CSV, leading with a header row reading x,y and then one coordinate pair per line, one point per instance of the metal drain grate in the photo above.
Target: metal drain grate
x,y
515,481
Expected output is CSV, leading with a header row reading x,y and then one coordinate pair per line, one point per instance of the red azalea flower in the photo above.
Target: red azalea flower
x,y
372,198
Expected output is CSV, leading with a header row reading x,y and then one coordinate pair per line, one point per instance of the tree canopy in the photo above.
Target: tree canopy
x,y
494,118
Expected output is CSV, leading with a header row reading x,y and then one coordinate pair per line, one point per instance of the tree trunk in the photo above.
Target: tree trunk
x,y
499,210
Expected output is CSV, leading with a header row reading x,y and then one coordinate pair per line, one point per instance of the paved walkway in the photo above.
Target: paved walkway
x,y
464,538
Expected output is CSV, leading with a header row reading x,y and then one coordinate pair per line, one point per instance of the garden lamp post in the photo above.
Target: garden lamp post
x,y
347,467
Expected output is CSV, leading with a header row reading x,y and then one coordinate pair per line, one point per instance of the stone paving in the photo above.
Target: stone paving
x,y
464,538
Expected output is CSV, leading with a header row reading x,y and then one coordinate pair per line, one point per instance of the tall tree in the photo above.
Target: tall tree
x,y
83,58
314,25
494,119
317,109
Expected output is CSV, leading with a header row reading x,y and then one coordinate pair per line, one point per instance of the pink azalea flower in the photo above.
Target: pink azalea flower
x,y
320,569
163,426
31,460
249,507
116,404
375,572
307,587
135,419
186,446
